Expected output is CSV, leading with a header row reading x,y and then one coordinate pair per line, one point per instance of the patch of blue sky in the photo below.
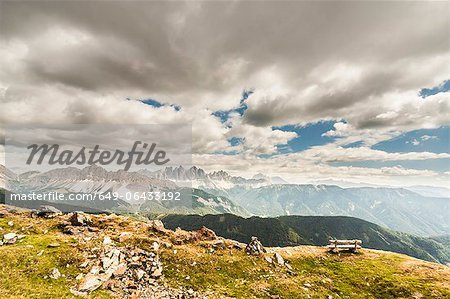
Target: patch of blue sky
x,y
235,141
354,144
438,165
443,87
423,140
226,153
265,156
152,102
224,115
309,135
157,104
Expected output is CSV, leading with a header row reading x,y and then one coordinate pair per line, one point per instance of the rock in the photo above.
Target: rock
x,y
125,269
10,238
307,285
111,259
219,244
292,273
167,245
47,211
120,270
139,274
85,264
11,223
20,237
238,246
70,230
110,285
157,273
155,246
53,245
95,270
40,253
124,236
55,274
90,283
156,226
79,276
80,219
278,258
268,259
205,234
288,266
107,240
255,247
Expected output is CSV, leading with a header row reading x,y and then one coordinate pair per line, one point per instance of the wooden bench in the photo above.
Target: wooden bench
x,y
352,245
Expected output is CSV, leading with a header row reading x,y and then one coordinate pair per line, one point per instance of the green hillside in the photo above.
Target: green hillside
x,y
194,265
313,230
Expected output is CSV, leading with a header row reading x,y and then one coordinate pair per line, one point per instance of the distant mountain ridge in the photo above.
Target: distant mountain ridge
x,y
126,184
395,208
313,230
198,178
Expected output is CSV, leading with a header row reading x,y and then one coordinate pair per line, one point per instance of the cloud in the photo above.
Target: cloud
x,y
340,129
361,64
428,137
297,170
422,139
177,55
334,153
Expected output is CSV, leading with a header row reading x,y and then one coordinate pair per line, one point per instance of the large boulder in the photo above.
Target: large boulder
x,y
205,234
157,226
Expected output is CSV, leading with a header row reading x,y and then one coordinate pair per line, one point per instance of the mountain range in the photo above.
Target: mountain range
x,y
395,208
219,192
96,180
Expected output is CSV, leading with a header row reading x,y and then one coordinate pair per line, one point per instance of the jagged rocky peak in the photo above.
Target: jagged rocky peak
x,y
94,171
221,174
179,173
197,172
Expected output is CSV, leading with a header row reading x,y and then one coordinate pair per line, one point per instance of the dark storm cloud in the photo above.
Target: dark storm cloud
x,y
203,54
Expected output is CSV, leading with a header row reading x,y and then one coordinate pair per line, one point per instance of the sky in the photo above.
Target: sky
x,y
310,91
